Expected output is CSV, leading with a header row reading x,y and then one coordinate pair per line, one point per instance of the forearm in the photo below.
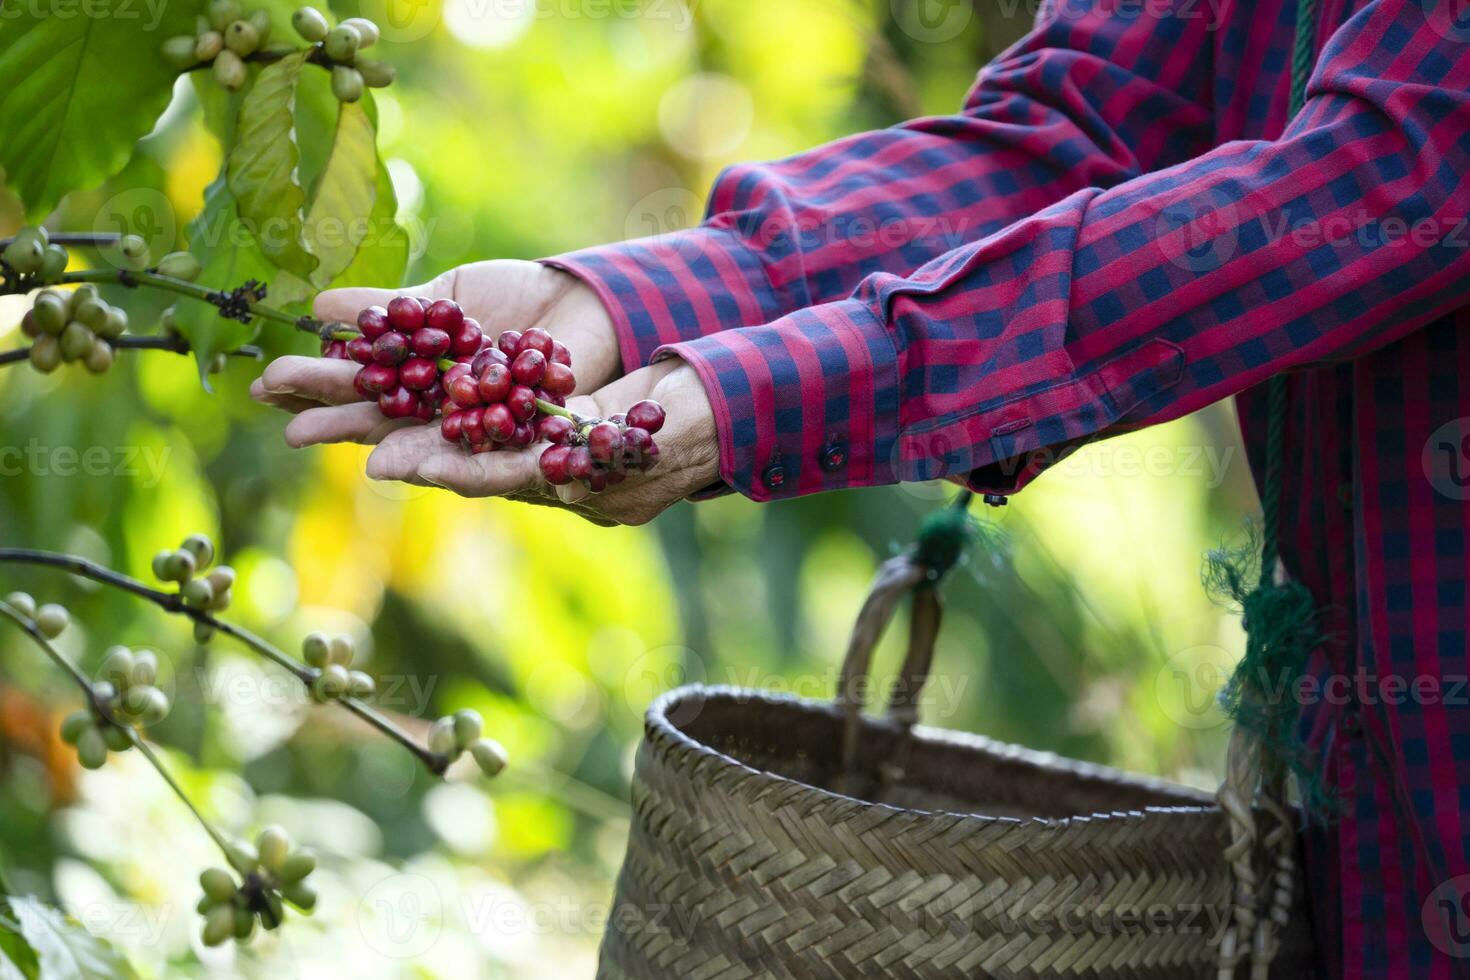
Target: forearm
x,y
1090,99
1125,307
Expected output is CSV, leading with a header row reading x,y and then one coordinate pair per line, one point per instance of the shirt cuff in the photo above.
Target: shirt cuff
x,y
677,287
809,402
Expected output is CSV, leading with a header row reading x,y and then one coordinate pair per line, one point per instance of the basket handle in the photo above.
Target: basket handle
x,y
896,577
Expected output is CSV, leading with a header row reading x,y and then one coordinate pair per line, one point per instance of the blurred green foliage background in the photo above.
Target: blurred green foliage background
x,y
523,129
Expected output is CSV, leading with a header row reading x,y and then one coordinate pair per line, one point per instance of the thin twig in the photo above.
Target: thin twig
x,y
173,344
104,712
172,602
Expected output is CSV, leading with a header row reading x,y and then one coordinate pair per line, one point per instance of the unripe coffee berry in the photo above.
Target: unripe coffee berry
x,y
45,354
375,74
208,45
200,548
229,70
490,756
367,31
310,24
23,603
52,620
347,84
178,52
180,265
98,360
342,42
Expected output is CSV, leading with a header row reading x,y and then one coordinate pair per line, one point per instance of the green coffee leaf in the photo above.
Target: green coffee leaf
x,y
382,258
337,220
79,85
261,169
63,948
230,256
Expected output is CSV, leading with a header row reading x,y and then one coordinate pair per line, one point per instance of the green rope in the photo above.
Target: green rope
x,y
1280,619
945,535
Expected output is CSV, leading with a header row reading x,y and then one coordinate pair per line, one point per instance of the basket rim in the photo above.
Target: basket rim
x,y
663,734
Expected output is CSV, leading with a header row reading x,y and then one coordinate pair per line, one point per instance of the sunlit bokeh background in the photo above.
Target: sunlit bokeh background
x,y
523,129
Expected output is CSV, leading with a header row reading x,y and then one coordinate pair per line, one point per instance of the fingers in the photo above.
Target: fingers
x,y
361,423
323,380
486,474
289,403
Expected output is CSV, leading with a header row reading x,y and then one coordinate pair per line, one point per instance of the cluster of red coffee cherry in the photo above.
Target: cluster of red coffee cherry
x,y
423,357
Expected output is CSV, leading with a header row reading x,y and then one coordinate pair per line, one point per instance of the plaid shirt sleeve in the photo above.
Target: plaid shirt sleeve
x,y
1120,308
1089,98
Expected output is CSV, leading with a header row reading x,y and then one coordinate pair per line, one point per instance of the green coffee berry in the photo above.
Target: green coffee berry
x,y
301,895
316,649
441,737
310,24
23,603
145,668
76,341
229,70
98,360
91,748
134,249
222,578
208,45
50,312
198,594
117,666
261,21
242,38
274,913
366,30
117,739
375,74
467,727
24,255
222,12
341,43
346,83
53,263
180,265
331,683
489,756
244,924
28,324
179,567
203,633
91,312
341,649
297,866
218,363
219,925
179,52
83,292
45,354
217,884
114,325
74,724
360,685
167,322
52,620
201,547
274,847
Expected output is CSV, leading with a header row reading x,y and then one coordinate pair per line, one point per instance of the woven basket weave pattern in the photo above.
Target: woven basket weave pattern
x,y
740,864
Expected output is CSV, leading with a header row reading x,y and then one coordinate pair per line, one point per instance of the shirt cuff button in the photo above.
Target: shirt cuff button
x,y
834,455
774,476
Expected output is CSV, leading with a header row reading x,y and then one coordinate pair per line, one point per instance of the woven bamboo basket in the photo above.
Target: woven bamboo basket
x,y
780,837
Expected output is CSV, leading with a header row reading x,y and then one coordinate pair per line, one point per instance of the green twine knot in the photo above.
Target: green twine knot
x,y
1280,622
944,535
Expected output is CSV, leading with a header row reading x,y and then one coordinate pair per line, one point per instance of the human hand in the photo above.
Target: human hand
x,y
419,454
502,294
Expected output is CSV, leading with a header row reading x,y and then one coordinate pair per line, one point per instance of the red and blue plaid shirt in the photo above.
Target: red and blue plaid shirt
x,y
1122,225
